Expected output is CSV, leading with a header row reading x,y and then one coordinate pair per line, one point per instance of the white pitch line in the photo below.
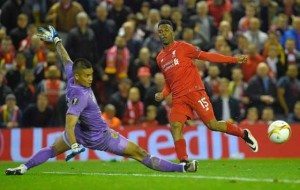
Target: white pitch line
x,y
244,179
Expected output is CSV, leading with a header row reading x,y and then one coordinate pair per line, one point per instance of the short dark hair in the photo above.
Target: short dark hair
x,y
164,21
81,63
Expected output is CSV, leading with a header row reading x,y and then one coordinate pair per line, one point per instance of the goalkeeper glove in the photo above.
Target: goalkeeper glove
x,y
76,149
48,34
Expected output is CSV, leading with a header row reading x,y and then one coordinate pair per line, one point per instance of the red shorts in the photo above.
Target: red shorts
x,y
183,107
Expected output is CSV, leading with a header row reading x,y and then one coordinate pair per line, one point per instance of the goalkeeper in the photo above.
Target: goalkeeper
x,y
84,126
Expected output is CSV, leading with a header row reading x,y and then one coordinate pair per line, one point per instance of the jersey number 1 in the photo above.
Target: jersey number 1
x,y
204,103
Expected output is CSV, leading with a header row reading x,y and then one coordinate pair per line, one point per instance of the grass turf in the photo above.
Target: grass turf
x,y
220,174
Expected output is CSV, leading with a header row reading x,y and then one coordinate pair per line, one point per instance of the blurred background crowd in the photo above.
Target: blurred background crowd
x,y
119,38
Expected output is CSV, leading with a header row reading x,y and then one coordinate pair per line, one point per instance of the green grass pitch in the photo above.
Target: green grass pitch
x,y
281,174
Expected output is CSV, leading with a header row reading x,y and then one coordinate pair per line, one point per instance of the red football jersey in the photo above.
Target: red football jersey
x,y
176,63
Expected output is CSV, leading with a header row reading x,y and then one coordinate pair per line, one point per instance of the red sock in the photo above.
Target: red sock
x,y
180,148
233,129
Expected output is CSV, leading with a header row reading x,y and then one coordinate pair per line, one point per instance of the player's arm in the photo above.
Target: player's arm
x,y
195,53
71,121
62,52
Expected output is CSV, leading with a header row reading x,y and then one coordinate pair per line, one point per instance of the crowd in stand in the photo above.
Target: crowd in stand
x,y
119,38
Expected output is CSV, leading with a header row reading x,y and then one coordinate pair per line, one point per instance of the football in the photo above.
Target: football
x,y
279,131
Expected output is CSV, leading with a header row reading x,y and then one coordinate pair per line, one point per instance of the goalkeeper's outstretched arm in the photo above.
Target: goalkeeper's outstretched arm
x,y
62,52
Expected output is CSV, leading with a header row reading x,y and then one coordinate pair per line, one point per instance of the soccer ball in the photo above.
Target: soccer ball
x,y
279,131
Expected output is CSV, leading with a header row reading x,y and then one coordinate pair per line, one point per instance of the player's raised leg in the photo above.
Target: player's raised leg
x,y
121,146
201,104
40,157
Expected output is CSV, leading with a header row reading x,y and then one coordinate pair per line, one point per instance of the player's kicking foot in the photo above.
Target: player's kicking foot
x,y
16,171
191,166
250,140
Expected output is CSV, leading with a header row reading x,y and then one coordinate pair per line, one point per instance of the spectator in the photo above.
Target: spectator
x,y
150,118
42,67
81,41
60,111
226,107
15,75
62,15
26,90
176,18
10,114
134,109
237,89
118,12
152,42
251,118
202,22
117,59
144,82
109,116
292,55
218,8
262,89
273,42
4,89
143,13
255,35
254,58
163,111
267,9
36,54
267,115
226,31
26,42
242,44
165,12
144,60
295,116
20,32
293,33
159,82
213,79
151,23
288,89
277,67
119,98
52,85
38,114
104,30
189,10
133,37
7,54
10,11
244,22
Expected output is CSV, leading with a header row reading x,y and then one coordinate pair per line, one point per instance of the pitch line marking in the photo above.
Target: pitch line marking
x,y
243,179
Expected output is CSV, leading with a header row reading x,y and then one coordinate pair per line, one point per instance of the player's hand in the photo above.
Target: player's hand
x,y
48,34
76,149
241,59
159,96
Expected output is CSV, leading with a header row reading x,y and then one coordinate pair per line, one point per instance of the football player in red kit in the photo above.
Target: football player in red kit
x,y
175,61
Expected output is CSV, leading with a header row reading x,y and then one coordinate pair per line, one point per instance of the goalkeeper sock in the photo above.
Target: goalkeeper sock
x,y
233,129
159,164
180,148
40,157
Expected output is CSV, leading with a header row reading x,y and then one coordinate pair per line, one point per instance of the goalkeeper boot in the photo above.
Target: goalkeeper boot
x,y
191,166
250,140
16,171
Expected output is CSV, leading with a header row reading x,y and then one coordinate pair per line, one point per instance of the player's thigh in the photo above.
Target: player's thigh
x,y
60,146
200,103
180,111
119,145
